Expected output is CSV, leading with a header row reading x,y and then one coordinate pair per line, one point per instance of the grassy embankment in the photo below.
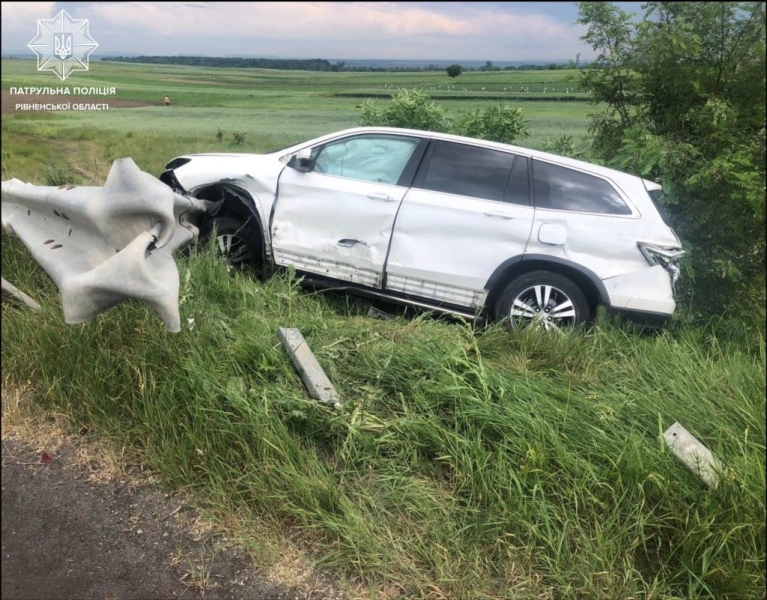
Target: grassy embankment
x,y
464,465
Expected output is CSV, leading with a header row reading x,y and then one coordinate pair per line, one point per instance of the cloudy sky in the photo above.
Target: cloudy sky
x,y
363,30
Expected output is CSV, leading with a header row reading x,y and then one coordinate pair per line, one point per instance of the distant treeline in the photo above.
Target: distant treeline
x,y
288,64
316,64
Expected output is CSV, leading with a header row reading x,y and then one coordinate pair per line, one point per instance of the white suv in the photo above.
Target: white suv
x,y
444,222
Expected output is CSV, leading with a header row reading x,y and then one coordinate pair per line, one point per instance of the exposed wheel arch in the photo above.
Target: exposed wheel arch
x,y
234,202
587,280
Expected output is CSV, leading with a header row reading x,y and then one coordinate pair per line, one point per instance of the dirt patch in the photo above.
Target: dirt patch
x,y
64,537
9,101
80,520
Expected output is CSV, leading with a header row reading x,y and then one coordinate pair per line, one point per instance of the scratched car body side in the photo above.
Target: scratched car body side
x,y
399,238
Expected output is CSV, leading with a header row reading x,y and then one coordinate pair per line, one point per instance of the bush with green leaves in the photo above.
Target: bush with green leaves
x,y
684,90
409,110
496,123
564,145
415,110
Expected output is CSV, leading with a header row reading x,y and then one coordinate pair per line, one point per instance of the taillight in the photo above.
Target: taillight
x,y
668,258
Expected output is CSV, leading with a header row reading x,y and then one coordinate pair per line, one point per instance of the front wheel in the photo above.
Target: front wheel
x,y
542,299
237,242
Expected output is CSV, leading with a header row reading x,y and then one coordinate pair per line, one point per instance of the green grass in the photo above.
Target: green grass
x,y
465,464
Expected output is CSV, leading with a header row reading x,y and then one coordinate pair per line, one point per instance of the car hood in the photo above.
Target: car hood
x,y
196,170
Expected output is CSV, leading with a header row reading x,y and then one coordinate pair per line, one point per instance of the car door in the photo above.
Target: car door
x,y
468,211
336,219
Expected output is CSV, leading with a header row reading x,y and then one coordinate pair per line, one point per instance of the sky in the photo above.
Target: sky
x,y
496,31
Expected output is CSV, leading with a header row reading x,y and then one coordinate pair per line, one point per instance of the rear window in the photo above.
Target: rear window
x,y
560,188
468,171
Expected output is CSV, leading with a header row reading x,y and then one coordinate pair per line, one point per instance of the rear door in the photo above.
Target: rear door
x,y
469,209
336,220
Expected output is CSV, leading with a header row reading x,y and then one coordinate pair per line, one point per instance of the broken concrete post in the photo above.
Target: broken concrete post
x,y
308,368
11,292
693,454
374,313
104,245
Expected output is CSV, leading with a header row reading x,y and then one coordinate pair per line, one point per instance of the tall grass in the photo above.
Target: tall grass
x,y
465,464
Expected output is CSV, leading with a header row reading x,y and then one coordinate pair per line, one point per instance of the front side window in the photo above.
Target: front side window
x,y
381,159
468,171
560,188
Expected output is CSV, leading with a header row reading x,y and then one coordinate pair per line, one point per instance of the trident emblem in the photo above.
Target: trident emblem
x,y
63,45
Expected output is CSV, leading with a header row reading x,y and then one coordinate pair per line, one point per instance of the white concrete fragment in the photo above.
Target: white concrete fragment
x,y
693,454
306,364
11,292
104,245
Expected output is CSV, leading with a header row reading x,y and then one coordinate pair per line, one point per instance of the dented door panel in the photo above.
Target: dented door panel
x,y
334,226
446,246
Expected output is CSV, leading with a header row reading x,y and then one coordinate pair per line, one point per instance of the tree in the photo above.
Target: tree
x,y
454,70
685,94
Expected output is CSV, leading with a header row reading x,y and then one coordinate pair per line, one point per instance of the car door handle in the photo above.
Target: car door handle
x,y
348,243
499,215
379,196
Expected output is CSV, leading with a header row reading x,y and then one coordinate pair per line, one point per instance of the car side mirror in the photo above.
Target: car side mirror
x,y
301,160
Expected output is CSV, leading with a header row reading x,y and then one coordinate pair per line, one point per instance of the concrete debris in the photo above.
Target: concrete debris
x,y
693,454
306,364
374,313
11,292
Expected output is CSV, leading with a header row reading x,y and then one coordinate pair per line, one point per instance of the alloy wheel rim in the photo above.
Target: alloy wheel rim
x,y
233,248
544,306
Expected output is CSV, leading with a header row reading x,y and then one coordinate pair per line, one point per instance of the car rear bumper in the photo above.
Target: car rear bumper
x,y
647,291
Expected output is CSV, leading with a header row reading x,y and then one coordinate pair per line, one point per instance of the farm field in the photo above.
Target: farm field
x,y
465,463
272,108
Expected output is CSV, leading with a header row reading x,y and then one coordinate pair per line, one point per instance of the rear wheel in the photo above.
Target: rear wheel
x,y
237,242
542,299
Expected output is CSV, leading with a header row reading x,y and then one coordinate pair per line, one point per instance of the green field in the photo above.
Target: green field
x,y
465,463
273,109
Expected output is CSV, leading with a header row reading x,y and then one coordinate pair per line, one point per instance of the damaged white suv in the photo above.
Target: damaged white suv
x,y
445,223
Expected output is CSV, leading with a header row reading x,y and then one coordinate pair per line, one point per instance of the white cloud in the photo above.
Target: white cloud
x,y
25,13
321,29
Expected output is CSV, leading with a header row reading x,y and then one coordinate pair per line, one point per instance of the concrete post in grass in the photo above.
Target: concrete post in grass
x,y
693,454
11,292
306,364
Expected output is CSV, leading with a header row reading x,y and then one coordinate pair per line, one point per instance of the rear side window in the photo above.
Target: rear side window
x,y
467,171
560,188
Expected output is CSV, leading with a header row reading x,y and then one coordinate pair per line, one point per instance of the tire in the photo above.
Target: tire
x,y
237,242
527,294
